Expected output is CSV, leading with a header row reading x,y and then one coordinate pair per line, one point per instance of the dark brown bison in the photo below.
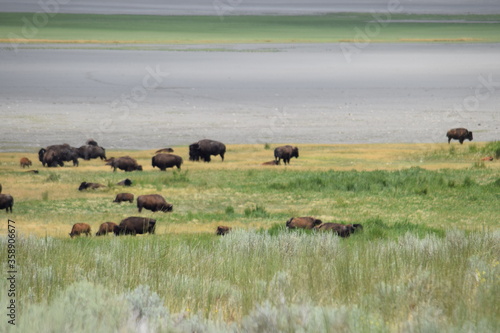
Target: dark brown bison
x,y
164,150
91,142
125,182
55,155
302,222
80,228
222,230
343,230
164,161
91,186
25,162
273,162
203,149
6,202
135,225
120,197
459,134
285,153
125,163
105,228
89,152
153,202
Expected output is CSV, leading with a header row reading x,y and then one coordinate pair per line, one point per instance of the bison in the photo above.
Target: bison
x,y
80,228
88,152
302,222
343,230
164,161
91,142
125,163
153,202
92,186
222,230
55,155
164,150
135,225
120,197
205,148
125,182
459,134
285,153
6,202
105,228
25,162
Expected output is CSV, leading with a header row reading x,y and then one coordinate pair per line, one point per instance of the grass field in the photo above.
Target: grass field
x,y
427,258
341,27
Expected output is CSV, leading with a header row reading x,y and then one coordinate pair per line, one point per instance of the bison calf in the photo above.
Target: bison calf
x,y
222,230
302,222
120,197
105,228
25,162
80,228
459,134
153,202
135,225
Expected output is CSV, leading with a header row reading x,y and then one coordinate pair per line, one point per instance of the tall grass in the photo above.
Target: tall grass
x,y
254,281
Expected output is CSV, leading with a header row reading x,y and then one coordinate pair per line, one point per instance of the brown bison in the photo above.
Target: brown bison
x,y
153,202
302,222
80,228
164,150
6,202
273,162
25,162
88,152
125,163
459,134
125,182
135,225
164,161
105,228
92,186
55,155
120,197
222,230
285,153
343,230
203,149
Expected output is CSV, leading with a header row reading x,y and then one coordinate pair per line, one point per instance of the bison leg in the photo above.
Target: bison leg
x,y
222,156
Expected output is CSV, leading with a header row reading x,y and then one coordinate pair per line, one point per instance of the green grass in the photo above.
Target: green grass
x,y
79,28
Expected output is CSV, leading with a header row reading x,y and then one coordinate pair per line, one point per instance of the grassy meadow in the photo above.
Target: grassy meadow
x,y
427,259
338,27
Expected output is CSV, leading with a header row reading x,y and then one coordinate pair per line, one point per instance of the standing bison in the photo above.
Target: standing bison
x,y
25,162
343,230
120,197
153,202
302,222
55,155
106,228
164,161
6,201
88,152
222,230
203,149
459,134
135,225
80,228
285,153
125,163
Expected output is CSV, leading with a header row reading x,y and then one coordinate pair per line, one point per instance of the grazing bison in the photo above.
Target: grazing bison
x,y
343,230
6,202
120,197
88,152
204,148
125,163
459,134
164,161
285,153
153,202
125,182
80,228
135,225
55,155
105,228
25,162
222,230
92,186
164,150
273,162
302,222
